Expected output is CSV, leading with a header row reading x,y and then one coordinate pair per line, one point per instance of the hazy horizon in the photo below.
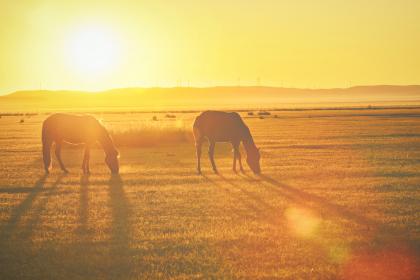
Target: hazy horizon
x,y
203,87
225,98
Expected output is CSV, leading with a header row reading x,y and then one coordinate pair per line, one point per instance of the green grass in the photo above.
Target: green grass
x,y
339,198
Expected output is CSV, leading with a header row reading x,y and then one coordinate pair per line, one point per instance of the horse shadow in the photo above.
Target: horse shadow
x,y
252,196
253,206
84,205
383,235
26,205
230,193
316,202
325,207
120,228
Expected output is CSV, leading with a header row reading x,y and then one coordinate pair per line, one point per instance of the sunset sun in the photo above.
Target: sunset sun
x,y
93,51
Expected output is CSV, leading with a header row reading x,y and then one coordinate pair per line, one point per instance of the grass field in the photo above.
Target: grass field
x,y
339,198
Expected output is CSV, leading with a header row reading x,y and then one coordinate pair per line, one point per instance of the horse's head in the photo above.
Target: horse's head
x,y
111,159
253,160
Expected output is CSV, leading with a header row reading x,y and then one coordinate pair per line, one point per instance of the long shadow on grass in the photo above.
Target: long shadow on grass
x,y
40,207
232,194
384,236
25,206
18,190
314,201
20,210
262,209
84,206
120,230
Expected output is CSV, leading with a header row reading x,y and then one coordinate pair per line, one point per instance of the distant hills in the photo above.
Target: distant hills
x,y
189,98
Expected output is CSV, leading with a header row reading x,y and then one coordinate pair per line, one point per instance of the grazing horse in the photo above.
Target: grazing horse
x,y
77,129
225,127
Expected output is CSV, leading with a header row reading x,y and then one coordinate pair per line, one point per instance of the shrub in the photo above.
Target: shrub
x,y
150,136
264,113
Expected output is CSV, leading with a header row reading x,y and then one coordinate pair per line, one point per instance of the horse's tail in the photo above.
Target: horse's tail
x,y
46,148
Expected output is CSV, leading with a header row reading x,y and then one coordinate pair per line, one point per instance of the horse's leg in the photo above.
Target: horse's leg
x,y
239,159
58,155
198,144
46,154
211,156
235,147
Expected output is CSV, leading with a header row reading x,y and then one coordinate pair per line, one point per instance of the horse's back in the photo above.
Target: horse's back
x,y
220,126
70,128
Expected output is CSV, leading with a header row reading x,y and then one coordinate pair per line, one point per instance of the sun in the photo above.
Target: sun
x,y
93,51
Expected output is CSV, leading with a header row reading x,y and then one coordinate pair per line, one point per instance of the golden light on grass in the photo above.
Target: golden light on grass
x,y
93,51
302,222
162,220
151,134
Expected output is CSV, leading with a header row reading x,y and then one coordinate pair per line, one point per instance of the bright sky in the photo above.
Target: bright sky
x,y
94,45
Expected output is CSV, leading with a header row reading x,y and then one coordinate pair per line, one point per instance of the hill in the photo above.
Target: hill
x,y
188,98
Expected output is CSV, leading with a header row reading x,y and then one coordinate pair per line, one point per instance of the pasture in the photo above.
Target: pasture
x,y
338,198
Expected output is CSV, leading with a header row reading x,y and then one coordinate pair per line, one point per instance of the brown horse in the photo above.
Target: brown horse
x,y
76,129
225,127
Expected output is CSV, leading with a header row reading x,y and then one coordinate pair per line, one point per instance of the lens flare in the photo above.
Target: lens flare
x,y
302,222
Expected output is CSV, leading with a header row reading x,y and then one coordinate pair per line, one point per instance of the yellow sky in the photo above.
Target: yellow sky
x,y
298,43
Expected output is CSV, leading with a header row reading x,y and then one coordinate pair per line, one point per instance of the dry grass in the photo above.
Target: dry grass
x,y
151,135
339,199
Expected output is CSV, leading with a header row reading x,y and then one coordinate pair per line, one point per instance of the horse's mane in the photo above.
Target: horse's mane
x,y
106,140
246,133
247,138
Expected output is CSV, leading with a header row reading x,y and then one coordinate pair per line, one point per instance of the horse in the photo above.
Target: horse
x,y
219,126
77,129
